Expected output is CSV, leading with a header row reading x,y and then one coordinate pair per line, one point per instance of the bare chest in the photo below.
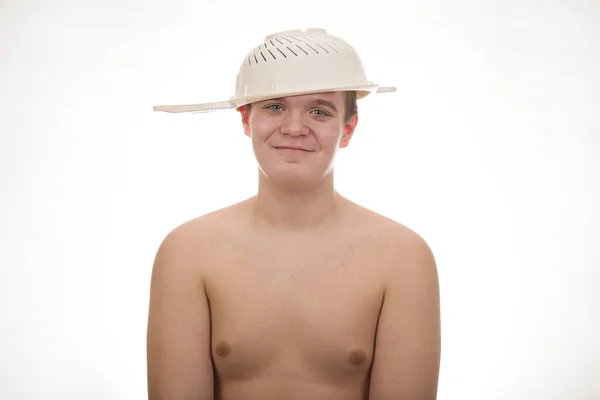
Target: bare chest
x,y
294,309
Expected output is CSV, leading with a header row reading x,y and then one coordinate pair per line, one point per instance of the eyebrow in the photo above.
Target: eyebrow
x,y
325,103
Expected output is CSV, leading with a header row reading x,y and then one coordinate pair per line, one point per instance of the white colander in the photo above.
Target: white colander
x,y
291,63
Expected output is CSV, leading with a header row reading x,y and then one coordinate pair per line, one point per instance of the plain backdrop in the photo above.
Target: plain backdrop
x,y
490,150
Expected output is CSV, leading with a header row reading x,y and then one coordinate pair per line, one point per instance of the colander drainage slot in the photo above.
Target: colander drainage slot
x,y
310,47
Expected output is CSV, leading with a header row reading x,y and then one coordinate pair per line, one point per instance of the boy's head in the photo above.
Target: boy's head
x,y
295,139
297,94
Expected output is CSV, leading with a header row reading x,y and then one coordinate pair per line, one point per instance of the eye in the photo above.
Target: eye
x,y
272,107
322,113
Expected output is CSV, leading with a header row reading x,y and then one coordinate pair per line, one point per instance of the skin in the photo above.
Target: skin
x,y
297,292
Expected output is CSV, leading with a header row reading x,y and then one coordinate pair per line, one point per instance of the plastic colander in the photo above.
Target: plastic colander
x,y
292,63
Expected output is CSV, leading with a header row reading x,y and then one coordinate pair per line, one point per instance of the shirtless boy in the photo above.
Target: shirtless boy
x,y
297,292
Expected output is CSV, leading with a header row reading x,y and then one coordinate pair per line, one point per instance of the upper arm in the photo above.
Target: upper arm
x,y
179,363
407,352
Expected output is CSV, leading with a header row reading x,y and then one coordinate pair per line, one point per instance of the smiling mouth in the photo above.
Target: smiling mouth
x,y
294,149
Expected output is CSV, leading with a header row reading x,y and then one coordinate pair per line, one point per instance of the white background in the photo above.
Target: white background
x,y
490,150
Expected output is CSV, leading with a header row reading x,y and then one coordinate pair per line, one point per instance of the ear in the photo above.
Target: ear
x,y
245,119
349,131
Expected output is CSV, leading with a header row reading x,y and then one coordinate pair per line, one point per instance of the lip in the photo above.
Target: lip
x,y
291,148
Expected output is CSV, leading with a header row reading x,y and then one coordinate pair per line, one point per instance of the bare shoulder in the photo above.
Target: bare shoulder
x,y
205,228
188,247
179,326
407,356
395,231
402,246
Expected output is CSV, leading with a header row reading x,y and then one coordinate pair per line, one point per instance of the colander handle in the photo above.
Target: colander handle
x,y
189,108
386,89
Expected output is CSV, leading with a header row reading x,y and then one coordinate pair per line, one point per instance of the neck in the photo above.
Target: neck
x,y
296,207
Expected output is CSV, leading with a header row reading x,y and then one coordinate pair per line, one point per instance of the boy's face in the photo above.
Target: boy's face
x,y
297,137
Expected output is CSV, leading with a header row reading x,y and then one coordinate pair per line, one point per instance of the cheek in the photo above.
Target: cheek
x,y
261,127
332,137
259,134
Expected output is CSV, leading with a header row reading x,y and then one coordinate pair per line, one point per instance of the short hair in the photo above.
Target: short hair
x,y
350,106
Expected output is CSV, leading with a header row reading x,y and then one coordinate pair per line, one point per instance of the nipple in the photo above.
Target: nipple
x,y
357,357
223,349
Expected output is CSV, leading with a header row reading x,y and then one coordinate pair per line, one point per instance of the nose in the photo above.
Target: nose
x,y
294,125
